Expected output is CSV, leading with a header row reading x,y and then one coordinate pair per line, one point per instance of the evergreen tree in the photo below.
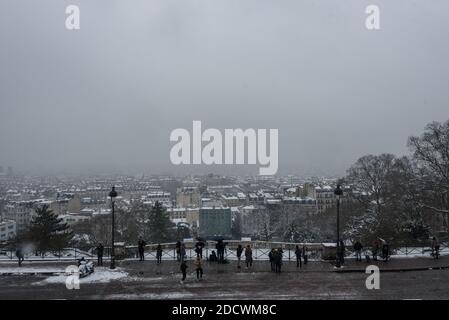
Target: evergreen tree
x,y
160,227
48,232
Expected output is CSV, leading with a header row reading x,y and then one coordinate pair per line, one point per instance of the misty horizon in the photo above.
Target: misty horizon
x,y
104,99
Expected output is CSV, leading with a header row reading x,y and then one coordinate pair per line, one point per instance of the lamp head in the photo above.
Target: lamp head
x,y
338,191
113,193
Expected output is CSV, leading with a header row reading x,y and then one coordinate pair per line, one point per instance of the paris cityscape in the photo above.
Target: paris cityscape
x,y
217,158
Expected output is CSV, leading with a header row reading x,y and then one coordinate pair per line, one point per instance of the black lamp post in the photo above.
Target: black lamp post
x,y
338,192
112,195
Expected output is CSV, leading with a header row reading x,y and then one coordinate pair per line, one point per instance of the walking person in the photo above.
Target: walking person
x,y
239,255
358,250
248,256
159,254
298,254
199,268
20,255
183,271
141,248
100,250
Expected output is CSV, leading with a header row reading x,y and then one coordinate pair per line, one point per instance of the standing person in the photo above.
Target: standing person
x,y
183,271
275,258
239,255
278,260
375,248
178,250
199,249
385,250
220,250
435,248
213,256
141,248
199,268
183,252
159,253
298,254
342,252
304,255
358,250
100,250
271,257
19,254
248,256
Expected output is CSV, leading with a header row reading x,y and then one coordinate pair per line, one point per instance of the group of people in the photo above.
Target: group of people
x,y
140,251
180,251
380,248
198,263
275,257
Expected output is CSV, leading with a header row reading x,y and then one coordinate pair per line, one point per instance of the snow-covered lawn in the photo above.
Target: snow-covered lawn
x,y
30,270
101,275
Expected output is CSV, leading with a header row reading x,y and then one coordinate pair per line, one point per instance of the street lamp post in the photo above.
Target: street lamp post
x,y
112,195
338,192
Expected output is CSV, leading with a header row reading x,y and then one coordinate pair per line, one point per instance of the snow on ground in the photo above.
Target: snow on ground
x,y
101,275
155,296
30,270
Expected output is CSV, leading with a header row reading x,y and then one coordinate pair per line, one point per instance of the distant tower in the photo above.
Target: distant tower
x,y
10,172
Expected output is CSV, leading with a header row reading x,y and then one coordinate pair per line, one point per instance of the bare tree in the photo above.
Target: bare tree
x,y
431,153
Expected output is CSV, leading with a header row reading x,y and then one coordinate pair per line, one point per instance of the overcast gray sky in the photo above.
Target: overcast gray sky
x,y
107,96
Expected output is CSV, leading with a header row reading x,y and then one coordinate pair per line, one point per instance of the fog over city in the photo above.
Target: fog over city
x,y
106,97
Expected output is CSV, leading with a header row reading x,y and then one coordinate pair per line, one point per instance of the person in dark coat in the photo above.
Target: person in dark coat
x,y
159,253
213,256
358,250
199,248
304,255
271,255
341,253
183,252
141,248
239,255
248,256
100,250
220,246
435,248
278,259
298,254
375,249
20,255
178,250
183,271
385,250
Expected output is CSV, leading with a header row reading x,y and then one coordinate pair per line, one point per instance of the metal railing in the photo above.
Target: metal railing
x,y
60,255
260,250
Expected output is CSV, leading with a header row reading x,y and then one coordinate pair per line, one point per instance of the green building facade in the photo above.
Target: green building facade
x,y
215,222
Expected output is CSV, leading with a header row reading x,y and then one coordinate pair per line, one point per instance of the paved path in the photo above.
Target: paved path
x,y
317,280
